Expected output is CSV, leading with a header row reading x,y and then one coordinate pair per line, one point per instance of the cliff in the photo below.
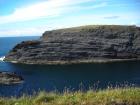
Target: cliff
x,y
105,43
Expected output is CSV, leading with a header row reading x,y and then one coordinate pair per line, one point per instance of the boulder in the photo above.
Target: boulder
x,y
10,78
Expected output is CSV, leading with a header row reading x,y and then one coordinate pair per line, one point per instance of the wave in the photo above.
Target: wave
x,y
2,58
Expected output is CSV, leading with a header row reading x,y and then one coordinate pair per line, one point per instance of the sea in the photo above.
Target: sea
x,y
60,78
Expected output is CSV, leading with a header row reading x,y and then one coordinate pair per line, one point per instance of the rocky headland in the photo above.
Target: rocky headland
x,y
85,44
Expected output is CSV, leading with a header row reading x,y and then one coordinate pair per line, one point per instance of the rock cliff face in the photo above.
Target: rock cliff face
x,y
104,43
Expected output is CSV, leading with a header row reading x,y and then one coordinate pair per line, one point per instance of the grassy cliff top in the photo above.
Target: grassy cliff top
x,y
118,96
87,27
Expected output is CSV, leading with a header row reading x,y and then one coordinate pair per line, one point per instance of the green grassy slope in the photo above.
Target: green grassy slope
x,y
118,96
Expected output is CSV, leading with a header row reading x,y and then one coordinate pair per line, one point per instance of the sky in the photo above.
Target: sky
x,y
33,17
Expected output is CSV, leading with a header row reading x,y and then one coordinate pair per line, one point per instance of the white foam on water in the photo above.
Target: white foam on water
x,y
2,58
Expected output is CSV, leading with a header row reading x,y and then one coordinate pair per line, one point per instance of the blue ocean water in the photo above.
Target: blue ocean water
x,y
60,77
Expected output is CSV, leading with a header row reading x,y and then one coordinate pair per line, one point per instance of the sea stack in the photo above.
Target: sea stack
x,y
85,44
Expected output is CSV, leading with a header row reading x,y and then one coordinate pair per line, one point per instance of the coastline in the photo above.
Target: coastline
x,y
99,61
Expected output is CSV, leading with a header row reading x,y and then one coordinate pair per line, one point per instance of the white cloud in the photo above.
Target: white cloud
x,y
52,8
23,31
72,21
111,17
44,9
102,4
93,6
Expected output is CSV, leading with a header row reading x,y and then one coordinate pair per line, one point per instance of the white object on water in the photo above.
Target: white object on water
x,y
2,58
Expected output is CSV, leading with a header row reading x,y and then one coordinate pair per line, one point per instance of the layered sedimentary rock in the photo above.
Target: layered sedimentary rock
x,y
104,43
10,78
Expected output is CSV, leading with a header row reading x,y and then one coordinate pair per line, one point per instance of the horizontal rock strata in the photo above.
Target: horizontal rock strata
x,y
10,78
105,43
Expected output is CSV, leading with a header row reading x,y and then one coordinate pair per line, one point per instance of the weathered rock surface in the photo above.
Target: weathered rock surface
x,y
10,78
105,43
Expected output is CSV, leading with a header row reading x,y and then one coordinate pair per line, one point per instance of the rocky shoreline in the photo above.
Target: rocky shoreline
x,y
76,62
85,44
8,78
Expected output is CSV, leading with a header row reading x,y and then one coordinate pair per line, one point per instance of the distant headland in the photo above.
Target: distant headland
x,y
85,44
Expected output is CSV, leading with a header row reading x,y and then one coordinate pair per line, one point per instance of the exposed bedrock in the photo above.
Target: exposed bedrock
x,y
10,78
104,43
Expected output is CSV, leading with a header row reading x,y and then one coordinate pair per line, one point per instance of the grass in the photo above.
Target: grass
x,y
91,27
117,96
